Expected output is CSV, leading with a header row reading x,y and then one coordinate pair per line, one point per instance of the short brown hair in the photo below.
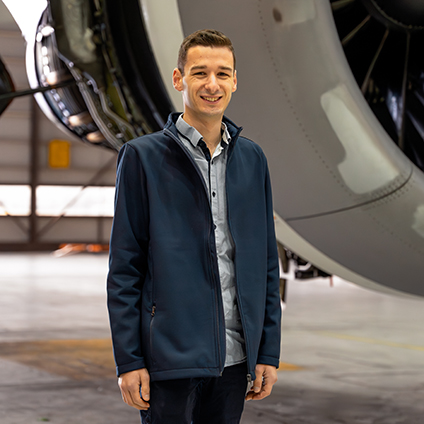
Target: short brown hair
x,y
203,37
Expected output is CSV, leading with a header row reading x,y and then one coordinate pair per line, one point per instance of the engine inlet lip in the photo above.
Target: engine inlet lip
x,y
396,15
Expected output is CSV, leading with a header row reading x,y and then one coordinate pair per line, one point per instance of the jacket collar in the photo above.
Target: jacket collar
x,y
233,129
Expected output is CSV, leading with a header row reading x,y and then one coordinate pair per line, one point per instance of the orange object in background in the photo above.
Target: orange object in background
x,y
72,248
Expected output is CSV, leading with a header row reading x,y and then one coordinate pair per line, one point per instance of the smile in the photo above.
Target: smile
x,y
211,99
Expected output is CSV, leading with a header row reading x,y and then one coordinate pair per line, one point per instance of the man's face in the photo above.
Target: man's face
x,y
208,82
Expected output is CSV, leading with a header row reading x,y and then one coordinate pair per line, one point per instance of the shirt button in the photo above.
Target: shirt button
x,y
213,194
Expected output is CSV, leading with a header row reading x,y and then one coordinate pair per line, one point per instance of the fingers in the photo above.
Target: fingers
x,y
145,386
129,384
256,387
266,377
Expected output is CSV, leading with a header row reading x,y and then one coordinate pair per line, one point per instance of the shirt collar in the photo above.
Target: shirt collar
x,y
187,131
193,136
226,138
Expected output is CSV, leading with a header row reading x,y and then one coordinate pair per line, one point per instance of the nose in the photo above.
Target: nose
x,y
212,83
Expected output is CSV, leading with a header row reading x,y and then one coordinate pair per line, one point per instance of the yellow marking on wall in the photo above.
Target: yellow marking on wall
x,y
371,341
59,154
284,366
75,359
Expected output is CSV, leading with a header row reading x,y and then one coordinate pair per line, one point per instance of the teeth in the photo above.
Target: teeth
x,y
211,99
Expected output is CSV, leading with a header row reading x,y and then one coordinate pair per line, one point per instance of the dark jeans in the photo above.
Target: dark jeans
x,y
216,400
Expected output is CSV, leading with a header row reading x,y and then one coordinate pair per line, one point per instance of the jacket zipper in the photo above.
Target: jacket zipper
x,y
207,154
243,324
215,283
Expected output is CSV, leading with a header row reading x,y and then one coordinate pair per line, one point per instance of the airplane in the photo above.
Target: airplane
x,y
332,90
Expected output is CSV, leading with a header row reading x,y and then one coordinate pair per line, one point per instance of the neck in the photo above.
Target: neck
x,y
210,130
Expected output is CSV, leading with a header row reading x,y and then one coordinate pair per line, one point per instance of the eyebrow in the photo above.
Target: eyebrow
x,y
201,67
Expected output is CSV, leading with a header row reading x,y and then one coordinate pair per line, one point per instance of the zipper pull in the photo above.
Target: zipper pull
x,y
153,311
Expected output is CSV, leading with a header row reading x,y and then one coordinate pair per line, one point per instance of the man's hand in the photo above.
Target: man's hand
x,y
130,383
266,377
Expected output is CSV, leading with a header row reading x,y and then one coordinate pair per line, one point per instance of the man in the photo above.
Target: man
x,y
193,285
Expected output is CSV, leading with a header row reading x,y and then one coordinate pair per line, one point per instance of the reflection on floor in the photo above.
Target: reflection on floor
x,y
74,359
348,355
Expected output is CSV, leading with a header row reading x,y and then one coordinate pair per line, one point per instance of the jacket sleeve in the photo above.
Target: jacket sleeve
x,y
269,349
127,261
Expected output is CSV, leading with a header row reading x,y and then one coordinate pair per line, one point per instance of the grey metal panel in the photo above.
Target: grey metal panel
x,y
10,232
14,146
16,68
20,104
14,174
11,43
14,153
74,176
6,20
48,131
381,241
85,156
77,230
14,125
106,229
85,163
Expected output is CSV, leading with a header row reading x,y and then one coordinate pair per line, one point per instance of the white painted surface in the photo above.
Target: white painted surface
x,y
289,238
365,167
163,25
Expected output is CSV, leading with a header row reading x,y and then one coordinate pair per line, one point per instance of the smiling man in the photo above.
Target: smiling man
x,y
193,284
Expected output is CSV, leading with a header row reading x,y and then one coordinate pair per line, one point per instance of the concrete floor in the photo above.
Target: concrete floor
x,y
349,355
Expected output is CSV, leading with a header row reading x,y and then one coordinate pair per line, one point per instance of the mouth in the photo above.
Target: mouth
x,y
211,99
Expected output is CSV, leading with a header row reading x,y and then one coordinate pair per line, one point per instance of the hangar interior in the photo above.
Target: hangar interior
x,y
39,162
349,354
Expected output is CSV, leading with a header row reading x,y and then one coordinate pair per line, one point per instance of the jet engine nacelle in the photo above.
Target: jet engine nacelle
x,y
346,197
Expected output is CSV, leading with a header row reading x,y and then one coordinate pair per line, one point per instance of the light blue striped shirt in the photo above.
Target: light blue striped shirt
x,y
190,137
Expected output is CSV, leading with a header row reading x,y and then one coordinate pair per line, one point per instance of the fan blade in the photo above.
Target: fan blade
x,y
340,4
374,61
355,31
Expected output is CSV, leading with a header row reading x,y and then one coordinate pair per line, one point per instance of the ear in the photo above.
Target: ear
x,y
235,82
177,80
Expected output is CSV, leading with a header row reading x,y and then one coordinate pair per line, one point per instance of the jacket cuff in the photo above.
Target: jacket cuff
x,y
120,369
268,360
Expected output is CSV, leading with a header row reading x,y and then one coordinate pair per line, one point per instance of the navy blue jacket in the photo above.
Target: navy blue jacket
x,y
164,294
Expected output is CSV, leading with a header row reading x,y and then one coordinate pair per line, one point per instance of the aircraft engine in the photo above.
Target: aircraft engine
x,y
331,90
